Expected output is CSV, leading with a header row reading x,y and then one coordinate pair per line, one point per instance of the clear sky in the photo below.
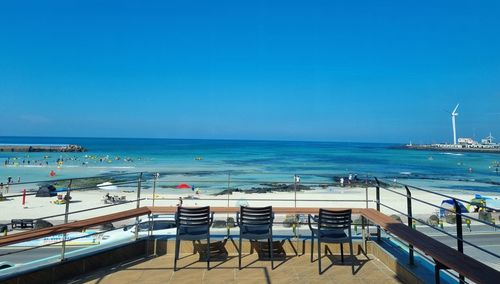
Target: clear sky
x,y
374,71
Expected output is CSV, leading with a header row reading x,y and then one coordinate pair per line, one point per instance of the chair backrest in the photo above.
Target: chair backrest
x,y
192,216
334,220
256,216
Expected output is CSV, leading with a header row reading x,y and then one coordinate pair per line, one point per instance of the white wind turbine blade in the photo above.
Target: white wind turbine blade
x,y
454,112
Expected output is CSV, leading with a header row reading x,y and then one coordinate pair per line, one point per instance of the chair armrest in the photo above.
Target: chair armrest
x,y
211,219
314,218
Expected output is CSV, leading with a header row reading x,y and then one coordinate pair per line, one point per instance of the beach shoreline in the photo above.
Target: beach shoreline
x,y
330,197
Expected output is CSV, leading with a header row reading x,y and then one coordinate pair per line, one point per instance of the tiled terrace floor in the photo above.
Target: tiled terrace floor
x,y
296,269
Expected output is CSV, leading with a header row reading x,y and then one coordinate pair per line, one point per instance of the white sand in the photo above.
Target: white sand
x,y
37,207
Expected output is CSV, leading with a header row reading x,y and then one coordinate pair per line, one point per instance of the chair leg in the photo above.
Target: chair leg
x,y
271,252
352,255
177,247
312,247
208,253
239,255
319,255
342,252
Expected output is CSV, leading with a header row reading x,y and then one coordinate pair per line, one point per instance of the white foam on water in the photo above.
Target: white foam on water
x,y
453,154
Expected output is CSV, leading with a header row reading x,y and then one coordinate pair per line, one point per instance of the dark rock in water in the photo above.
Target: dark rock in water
x,y
283,187
229,191
358,182
42,148
267,187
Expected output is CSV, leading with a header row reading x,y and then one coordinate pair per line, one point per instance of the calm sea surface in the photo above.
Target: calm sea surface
x,y
259,160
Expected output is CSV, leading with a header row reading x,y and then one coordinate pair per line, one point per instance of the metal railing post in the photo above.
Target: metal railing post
x,y
460,242
295,191
228,189
139,183
228,230
67,198
410,222
156,176
150,234
363,233
378,205
366,191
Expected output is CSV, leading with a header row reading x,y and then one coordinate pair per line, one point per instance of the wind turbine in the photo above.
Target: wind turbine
x,y
454,114
490,138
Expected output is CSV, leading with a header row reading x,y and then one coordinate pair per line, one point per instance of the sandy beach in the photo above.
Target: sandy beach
x,y
331,197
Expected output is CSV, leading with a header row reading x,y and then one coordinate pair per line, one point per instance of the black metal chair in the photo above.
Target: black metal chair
x,y
193,224
256,223
332,227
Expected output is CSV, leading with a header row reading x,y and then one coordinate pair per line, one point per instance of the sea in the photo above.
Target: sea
x,y
205,161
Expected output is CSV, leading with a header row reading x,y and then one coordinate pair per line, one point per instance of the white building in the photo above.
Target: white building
x,y
466,141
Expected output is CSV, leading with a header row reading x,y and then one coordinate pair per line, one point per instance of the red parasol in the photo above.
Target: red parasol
x,y
183,185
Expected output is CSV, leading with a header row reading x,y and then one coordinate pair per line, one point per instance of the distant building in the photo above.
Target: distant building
x,y
488,140
466,141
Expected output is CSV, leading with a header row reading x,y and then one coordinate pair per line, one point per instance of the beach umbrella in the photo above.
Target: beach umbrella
x,y
448,204
183,185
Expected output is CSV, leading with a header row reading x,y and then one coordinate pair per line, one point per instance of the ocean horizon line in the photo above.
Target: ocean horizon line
x,y
203,139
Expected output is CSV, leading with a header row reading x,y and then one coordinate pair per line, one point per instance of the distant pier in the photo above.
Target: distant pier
x,y
451,148
41,148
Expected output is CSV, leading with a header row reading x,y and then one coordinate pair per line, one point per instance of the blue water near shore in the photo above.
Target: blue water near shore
x,y
274,160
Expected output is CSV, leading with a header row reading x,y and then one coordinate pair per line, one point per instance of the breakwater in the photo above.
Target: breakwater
x,y
451,148
41,148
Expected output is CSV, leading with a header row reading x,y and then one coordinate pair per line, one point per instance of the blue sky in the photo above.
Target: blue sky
x,y
374,71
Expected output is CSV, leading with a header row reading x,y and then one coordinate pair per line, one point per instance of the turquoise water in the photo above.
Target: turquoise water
x,y
268,160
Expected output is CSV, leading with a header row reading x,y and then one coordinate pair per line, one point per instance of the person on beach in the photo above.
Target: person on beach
x,y
180,202
342,182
